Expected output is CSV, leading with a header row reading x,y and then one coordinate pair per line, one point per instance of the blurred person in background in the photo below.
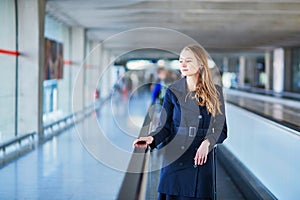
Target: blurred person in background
x,y
159,89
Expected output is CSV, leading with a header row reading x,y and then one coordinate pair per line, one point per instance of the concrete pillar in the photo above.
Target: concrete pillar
x,y
100,69
87,75
105,77
288,70
269,70
242,70
250,75
233,64
78,70
225,64
31,16
111,71
217,70
218,62
96,61
278,73
93,71
65,85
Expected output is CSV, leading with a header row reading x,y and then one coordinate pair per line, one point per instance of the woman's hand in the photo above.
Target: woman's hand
x,y
202,152
143,142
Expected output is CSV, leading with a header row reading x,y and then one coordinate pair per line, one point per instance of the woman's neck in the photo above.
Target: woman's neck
x,y
191,82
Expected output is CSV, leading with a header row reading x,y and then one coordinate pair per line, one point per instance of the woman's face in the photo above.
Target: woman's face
x,y
188,63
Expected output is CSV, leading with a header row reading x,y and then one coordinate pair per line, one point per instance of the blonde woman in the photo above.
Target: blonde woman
x,y
193,121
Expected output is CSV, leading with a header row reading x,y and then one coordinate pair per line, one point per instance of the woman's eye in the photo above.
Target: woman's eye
x,y
180,61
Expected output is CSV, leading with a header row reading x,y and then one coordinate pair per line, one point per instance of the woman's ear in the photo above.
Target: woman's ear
x,y
200,64
201,68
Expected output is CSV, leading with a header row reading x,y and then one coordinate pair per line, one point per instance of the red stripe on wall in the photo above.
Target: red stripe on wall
x,y
8,52
68,62
88,66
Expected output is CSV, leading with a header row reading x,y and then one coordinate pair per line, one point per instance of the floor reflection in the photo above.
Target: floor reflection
x,y
67,167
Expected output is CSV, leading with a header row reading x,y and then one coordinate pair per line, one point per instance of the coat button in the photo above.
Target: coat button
x,y
180,164
182,147
200,116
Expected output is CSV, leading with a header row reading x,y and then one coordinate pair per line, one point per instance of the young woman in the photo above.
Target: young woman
x,y
192,122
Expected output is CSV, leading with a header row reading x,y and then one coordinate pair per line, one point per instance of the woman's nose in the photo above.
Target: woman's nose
x,y
183,64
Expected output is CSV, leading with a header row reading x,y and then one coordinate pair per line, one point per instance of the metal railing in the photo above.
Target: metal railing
x,y
18,149
49,131
66,122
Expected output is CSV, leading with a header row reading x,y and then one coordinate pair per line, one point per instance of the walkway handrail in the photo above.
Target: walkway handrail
x,y
69,120
284,94
15,140
70,116
52,129
66,122
133,185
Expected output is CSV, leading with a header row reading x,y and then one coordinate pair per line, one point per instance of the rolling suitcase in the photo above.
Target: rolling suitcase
x,y
215,172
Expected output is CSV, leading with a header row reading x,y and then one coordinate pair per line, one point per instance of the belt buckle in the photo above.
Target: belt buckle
x,y
192,131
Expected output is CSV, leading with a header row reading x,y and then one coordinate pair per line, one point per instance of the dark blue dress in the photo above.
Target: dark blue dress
x,y
184,125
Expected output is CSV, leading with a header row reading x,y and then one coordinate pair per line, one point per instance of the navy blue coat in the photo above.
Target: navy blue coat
x,y
183,126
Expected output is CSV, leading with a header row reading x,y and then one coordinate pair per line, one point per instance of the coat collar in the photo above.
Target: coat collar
x,y
179,86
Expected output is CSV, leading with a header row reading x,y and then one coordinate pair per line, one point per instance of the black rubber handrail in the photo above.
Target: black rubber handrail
x,y
132,183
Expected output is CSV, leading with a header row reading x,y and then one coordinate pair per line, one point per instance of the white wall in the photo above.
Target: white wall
x,y
269,150
8,70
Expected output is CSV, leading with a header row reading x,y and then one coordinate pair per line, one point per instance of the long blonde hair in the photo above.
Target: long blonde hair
x,y
206,92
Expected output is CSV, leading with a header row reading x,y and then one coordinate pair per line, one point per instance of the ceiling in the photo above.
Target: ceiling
x,y
218,25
